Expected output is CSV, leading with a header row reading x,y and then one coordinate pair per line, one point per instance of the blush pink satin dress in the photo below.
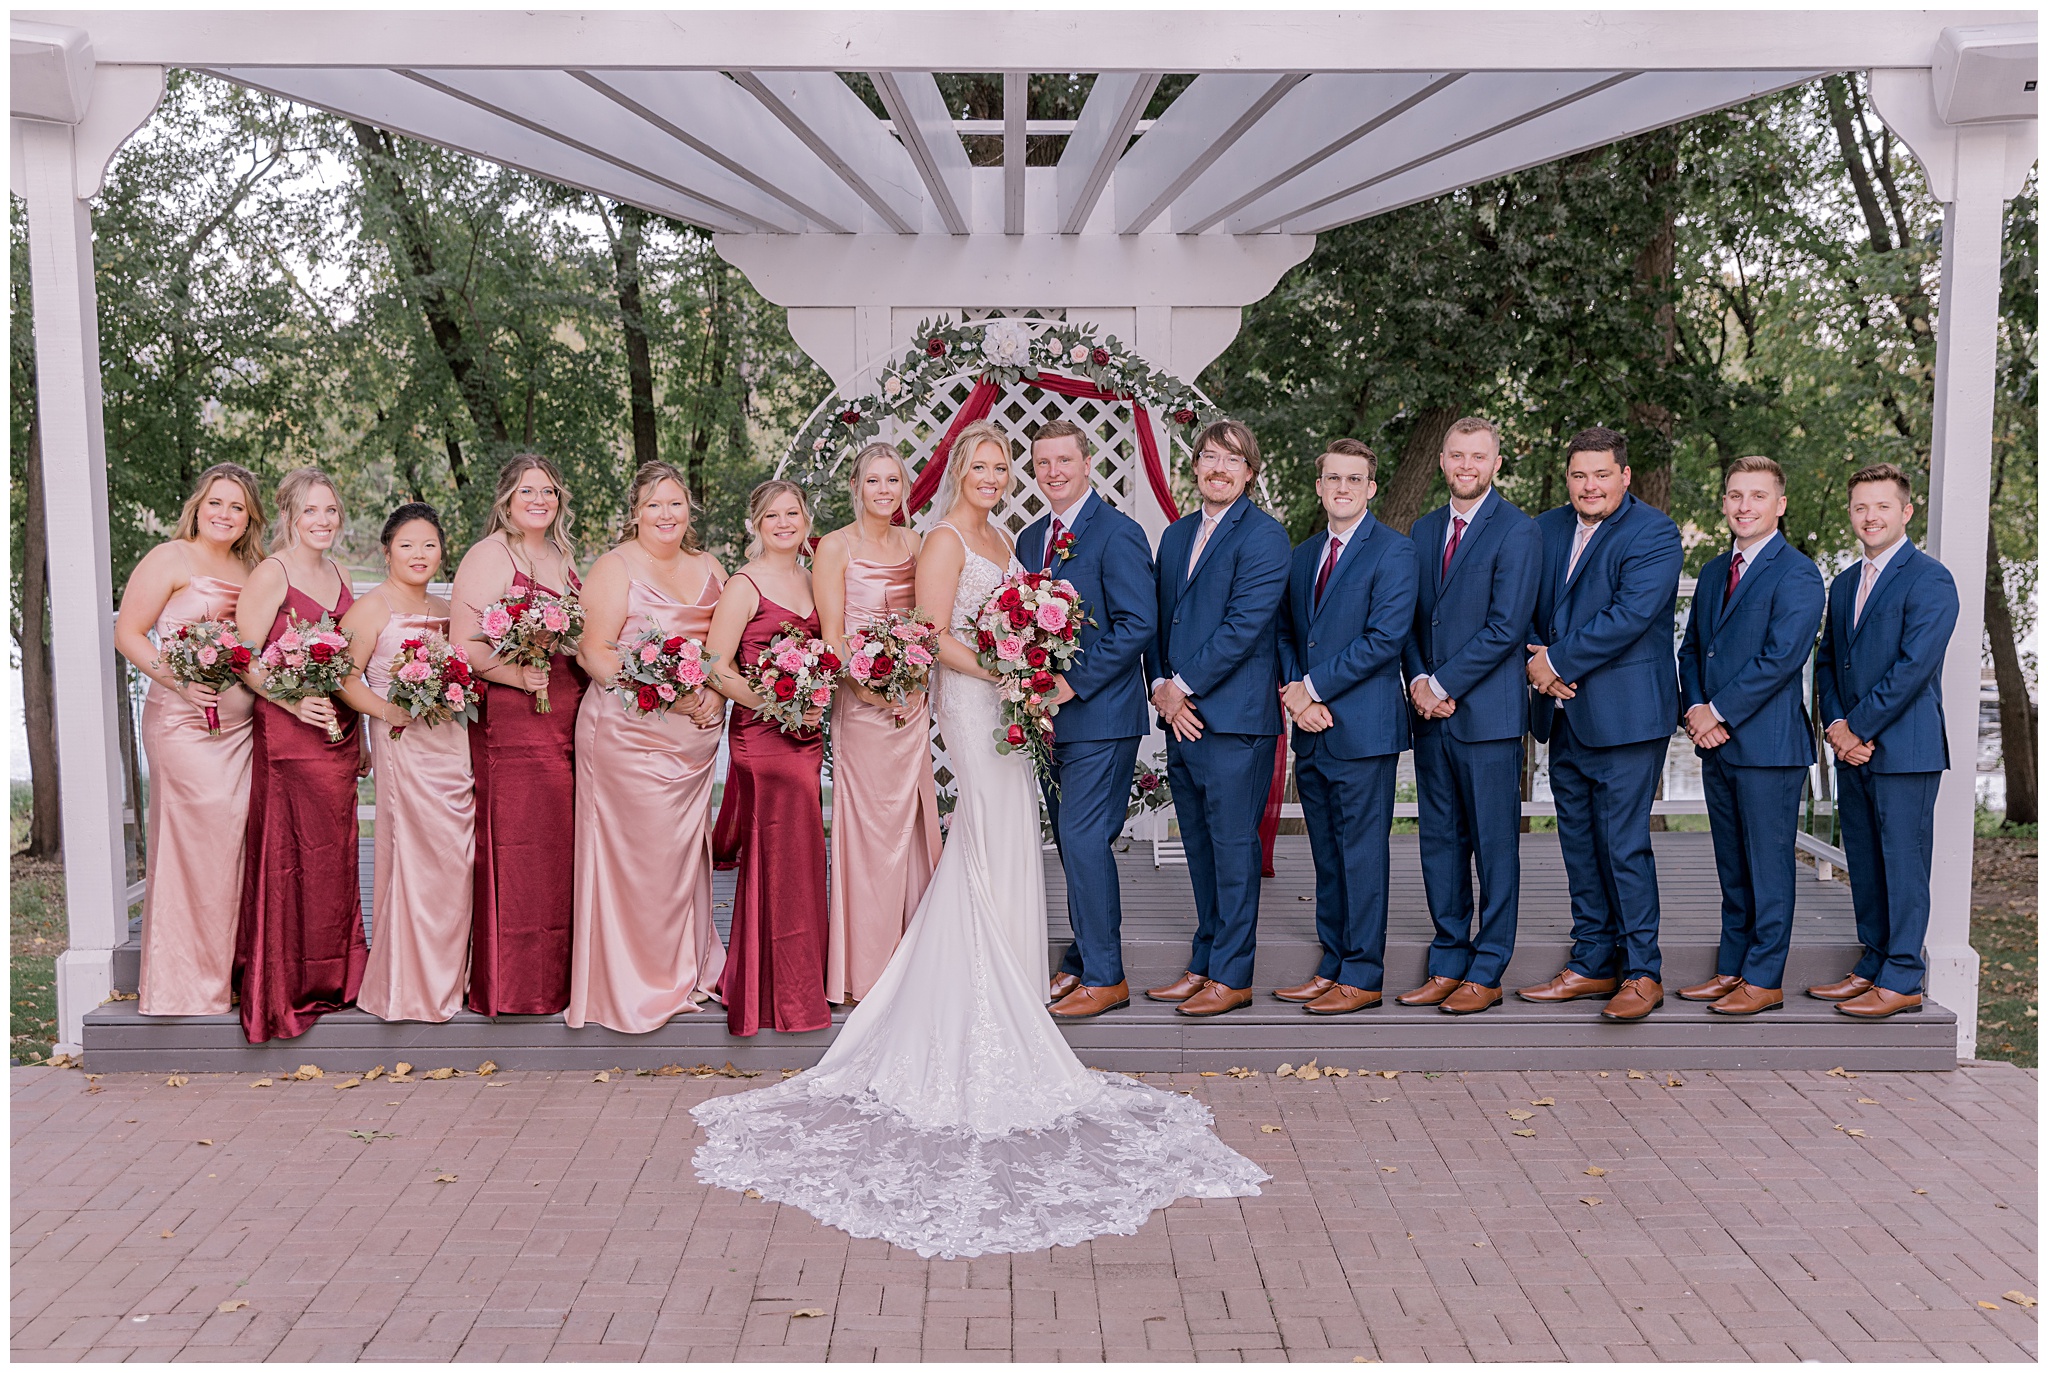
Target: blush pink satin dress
x,y
885,813
198,808
644,948
426,852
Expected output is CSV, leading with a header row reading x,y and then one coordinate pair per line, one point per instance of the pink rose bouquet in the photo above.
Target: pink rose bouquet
x,y
792,673
656,670
892,655
1026,633
527,626
209,652
432,682
308,660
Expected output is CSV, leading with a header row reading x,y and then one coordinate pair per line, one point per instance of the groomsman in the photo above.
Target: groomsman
x,y
1215,670
1741,669
1101,720
1606,697
1481,561
1350,598
1878,678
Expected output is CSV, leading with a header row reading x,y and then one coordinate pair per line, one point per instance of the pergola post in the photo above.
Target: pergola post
x,y
1973,169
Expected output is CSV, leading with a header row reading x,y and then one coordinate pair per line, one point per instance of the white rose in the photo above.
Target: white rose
x,y
892,386
1006,343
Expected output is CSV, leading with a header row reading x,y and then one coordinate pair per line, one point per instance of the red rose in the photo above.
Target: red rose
x,y
935,347
1067,632
828,662
184,632
1042,681
785,687
884,665
984,641
674,645
1019,618
1183,416
240,657
849,417
1034,580
1009,600
1148,783
1035,656
410,644
1101,356
322,652
648,699
1015,736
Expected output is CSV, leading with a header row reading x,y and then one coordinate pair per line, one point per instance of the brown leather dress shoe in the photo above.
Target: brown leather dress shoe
x,y
1470,999
1713,989
1062,983
1568,986
1430,993
1085,1002
1181,988
1849,987
1879,1002
1307,991
1748,1000
1343,1000
1214,999
1637,998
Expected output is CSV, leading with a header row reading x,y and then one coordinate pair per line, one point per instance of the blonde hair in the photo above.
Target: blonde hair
x,y
651,475
1757,464
291,490
962,452
249,547
757,509
868,457
500,519
1474,424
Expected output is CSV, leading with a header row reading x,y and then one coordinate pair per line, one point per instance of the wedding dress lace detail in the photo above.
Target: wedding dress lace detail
x,y
949,1117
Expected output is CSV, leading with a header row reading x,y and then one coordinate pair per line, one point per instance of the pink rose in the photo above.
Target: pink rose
x,y
420,655
415,672
863,666
821,696
294,660
456,697
790,660
691,651
290,640
1010,648
1052,616
496,622
649,652
690,674
665,691
919,655
209,655
555,619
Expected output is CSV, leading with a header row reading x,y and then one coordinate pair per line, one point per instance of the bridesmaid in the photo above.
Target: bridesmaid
x,y
426,801
773,819
299,952
885,813
644,947
524,760
198,783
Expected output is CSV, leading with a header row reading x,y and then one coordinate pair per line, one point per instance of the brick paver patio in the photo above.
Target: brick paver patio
x,y
1741,1215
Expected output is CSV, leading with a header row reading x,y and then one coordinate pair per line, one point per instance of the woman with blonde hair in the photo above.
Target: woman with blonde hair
x,y
885,813
644,947
524,760
299,950
772,822
198,780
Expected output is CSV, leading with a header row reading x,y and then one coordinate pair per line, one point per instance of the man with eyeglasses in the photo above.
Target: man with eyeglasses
x,y
1481,560
1350,598
1215,673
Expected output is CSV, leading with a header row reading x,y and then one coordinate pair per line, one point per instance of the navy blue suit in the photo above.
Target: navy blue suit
x,y
1607,625
1471,624
1745,655
1348,647
1096,735
1882,675
1219,632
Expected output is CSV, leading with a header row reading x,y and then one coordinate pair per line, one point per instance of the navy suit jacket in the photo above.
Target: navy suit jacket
x,y
1111,569
1219,630
1350,646
1883,675
1746,655
1608,625
1471,627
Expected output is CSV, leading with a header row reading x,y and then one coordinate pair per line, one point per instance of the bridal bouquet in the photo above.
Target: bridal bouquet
x,y
207,652
892,656
308,660
656,669
432,682
527,626
793,673
1025,634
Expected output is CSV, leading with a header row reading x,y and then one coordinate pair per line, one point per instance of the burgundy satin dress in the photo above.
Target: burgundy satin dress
x,y
885,811
645,947
198,795
772,827
525,766
299,951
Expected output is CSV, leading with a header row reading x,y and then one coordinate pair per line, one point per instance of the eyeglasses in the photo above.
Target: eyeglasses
x,y
1353,481
1222,462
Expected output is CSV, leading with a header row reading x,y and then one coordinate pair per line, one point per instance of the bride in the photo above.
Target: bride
x,y
949,1116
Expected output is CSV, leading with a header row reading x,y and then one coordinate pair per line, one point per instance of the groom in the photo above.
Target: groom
x,y
1101,720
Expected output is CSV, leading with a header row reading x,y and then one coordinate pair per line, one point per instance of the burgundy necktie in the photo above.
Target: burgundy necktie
x,y
1052,542
1734,576
1323,577
1451,548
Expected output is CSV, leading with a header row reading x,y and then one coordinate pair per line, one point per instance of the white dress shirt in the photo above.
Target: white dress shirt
x,y
1209,523
1873,568
1749,556
1339,540
1451,525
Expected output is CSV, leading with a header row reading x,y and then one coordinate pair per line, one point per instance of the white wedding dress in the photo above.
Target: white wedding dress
x,y
949,1116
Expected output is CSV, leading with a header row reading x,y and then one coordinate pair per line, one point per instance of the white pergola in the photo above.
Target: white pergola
x,y
1159,233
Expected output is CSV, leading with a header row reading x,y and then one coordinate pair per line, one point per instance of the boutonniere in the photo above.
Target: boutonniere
x,y
1063,546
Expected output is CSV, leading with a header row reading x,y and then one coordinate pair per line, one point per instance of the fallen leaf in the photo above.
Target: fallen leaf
x,y
1987,1305
1672,1081
788,1073
1204,1075
1590,1201
1387,1168
374,1073
808,1311
1379,1100
1544,1101
401,1070
1238,1072
1390,1073
1919,1191
231,1306
665,1070
443,1074
1866,1101
368,1135
1284,1070
602,1077
2020,1297
1517,1113
1336,1072
1596,1172
176,1080
1838,1127
1308,1074
486,1068
207,1142
170,1234
752,1194
1857,1133
1269,1129
348,1082
1636,1076
308,1071
1526,1134
261,1082
1840,1072
446,1177
1603,1075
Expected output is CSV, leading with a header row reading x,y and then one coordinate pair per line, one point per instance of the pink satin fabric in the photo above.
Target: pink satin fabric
x,y
885,812
644,948
426,848
198,808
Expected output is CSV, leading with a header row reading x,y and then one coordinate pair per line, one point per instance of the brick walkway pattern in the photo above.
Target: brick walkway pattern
x,y
1741,1215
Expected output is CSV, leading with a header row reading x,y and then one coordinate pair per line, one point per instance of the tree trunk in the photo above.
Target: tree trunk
x,y
1403,492
2017,727
711,391
633,320
1652,422
38,689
